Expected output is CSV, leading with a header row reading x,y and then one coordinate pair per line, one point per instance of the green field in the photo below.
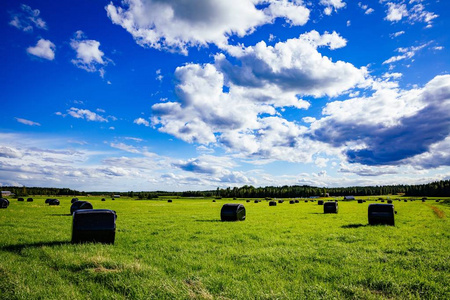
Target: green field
x,y
182,250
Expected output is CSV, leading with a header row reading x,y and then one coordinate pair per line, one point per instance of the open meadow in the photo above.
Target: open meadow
x,y
182,250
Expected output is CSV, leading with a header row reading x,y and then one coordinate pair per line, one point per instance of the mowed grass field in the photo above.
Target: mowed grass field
x,y
182,250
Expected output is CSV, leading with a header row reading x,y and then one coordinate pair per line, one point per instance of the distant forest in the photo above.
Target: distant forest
x,y
433,189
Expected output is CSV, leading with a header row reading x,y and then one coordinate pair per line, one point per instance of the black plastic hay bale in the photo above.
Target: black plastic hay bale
x,y
330,207
94,225
381,214
438,200
360,201
280,201
214,200
306,201
74,200
291,202
170,200
247,201
423,200
77,205
256,201
382,200
405,200
272,203
47,201
103,199
54,202
20,199
4,203
320,202
30,200
389,201
232,212
296,201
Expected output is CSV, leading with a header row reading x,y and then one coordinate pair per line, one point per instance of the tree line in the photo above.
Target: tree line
x,y
433,189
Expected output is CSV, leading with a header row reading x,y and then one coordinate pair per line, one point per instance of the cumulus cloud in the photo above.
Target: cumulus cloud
x,y
175,25
86,114
417,13
396,12
89,56
141,121
295,66
43,49
331,5
403,124
27,122
27,19
240,105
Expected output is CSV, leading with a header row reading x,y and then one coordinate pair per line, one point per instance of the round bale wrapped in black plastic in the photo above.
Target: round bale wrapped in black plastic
x,y
256,201
330,207
80,205
54,202
232,212
47,201
381,214
74,200
272,203
389,201
214,200
280,201
4,203
94,225
103,199
297,201
30,200
306,201
405,200
247,201
360,201
291,202
320,202
170,201
20,199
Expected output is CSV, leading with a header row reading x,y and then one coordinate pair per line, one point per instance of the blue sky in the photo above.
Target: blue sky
x,y
194,95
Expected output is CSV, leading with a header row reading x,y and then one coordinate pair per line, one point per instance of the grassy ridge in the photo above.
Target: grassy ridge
x,y
181,250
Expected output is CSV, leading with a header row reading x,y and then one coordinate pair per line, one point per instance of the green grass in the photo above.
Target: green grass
x,y
181,250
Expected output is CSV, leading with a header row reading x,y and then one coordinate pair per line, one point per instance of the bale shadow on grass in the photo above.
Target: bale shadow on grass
x,y
353,225
19,247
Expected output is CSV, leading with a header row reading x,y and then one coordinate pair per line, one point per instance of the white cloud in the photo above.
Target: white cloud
x,y
321,162
332,4
85,114
175,25
27,19
396,12
417,13
392,75
396,34
247,118
404,124
141,121
125,147
27,122
89,56
43,49
406,53
295,65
